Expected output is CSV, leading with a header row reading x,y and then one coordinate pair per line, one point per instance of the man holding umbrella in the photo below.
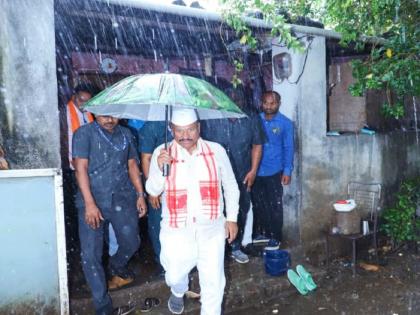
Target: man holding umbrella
x,y
110,189
193,228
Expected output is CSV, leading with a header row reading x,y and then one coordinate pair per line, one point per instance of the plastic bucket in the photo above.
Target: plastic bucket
x,y
276,262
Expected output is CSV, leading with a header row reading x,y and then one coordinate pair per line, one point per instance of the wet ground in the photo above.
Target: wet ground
x,y
393,289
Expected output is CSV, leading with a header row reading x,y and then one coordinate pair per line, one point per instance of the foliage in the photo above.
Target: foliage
x,y
238,68
391,25
401,223
393,64
233,14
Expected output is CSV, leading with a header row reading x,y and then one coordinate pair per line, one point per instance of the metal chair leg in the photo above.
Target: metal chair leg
x,y
354,257
327,247
375,246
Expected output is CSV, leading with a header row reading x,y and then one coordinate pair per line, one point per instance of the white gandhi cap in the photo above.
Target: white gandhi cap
x,y
183,116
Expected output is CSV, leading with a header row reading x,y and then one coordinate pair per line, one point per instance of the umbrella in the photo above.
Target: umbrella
x,y
147,97
151,96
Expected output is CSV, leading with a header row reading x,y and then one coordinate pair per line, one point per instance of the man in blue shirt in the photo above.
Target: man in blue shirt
x,y
275,168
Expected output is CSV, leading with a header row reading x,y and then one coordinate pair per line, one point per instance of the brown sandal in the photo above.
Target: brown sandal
x,y
118,282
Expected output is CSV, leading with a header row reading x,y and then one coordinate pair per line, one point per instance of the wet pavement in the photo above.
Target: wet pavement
x,y
246,284
393,289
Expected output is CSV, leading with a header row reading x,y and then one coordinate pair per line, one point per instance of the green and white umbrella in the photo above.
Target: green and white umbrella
x,y
148,96
151,96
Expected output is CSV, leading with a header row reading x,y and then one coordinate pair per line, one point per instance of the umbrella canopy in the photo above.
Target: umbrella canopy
x,y
146,97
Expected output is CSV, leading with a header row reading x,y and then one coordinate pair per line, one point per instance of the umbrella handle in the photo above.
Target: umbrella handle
x,y
165,170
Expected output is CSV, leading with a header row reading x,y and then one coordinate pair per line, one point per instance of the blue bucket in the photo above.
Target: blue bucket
x,y
276,262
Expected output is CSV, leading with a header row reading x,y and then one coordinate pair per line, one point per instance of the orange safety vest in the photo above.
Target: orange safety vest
x,y
74,118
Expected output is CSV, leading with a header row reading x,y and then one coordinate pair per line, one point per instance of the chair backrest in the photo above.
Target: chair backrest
x,y
367,197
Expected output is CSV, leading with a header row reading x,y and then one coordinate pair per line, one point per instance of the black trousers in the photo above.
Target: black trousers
x,y
267,198
244,205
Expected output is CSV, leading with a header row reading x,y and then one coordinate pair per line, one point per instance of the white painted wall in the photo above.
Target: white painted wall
x,y
293,98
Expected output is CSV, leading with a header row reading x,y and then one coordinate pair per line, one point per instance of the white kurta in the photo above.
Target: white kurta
x,y
201,242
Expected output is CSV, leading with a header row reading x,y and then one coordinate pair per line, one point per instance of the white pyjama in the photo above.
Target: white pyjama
x,y
201,245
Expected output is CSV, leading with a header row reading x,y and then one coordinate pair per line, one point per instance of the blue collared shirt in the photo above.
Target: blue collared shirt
x,y
278,151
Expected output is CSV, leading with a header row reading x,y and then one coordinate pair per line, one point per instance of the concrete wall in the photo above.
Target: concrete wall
x,y
386,159
325,164
302,89
29,128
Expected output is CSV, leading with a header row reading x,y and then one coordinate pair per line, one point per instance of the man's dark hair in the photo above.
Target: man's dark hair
x,y
85,87
276,95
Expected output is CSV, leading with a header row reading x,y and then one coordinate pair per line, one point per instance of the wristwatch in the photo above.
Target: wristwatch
x,y
141,194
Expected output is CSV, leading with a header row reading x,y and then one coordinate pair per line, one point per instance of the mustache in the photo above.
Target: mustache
x,y
185,139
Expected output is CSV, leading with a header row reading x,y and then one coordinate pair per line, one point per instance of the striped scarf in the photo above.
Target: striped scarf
x,y
176,190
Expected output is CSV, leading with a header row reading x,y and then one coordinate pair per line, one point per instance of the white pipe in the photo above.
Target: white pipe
x,y
214,16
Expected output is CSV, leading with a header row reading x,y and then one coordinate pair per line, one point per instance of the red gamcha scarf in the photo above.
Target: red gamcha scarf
x,y
176,185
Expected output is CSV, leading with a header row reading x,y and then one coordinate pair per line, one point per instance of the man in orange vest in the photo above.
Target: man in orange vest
x,y
75,116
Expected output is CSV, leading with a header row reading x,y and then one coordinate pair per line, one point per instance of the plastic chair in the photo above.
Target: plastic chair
x,y
367,197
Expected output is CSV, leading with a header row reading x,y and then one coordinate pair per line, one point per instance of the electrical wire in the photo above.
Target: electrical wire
x,y
311,39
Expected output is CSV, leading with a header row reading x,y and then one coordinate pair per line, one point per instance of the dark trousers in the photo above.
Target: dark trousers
x,y
71,215
244,204
125,224
267,195
154,216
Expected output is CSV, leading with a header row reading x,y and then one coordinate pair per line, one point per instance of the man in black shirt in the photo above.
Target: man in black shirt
x,y
242,139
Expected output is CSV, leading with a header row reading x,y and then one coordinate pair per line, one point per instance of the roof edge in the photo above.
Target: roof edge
x,y
214,16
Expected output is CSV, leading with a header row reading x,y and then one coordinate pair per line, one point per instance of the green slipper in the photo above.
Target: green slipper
x,y
306,276
297,281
